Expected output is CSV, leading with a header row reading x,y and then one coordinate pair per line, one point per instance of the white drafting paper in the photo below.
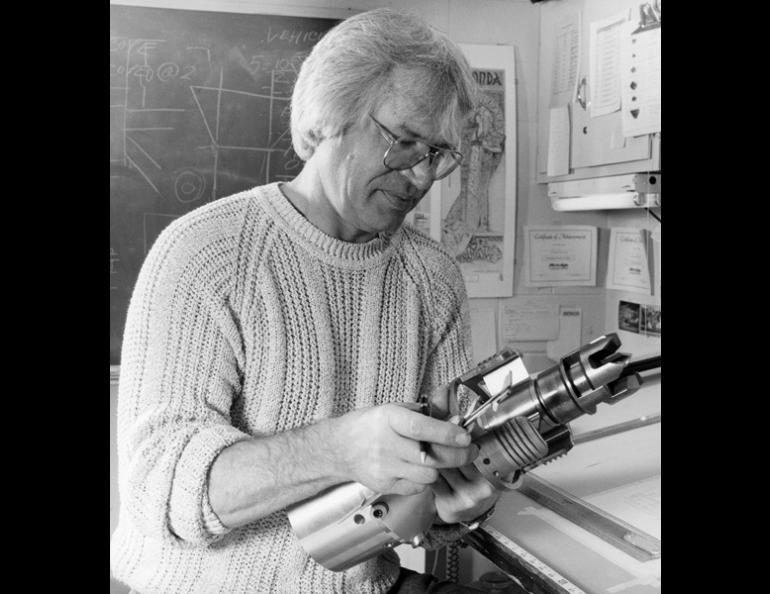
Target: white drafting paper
x,y
558,141
640,81
570,331
637,504
483,332
560,256
526,318
604,64
566,59
628,268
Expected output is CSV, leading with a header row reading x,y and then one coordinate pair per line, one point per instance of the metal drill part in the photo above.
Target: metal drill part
x,y
507,449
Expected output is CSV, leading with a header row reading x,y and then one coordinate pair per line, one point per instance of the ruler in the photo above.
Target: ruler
x,y
519,562
640,545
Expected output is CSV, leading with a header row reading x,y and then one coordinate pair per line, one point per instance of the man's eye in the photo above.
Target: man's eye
x,y
407,144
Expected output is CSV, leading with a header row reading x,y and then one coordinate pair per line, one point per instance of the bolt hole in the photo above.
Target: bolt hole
x,y
585,129
359,519
485,460
653,180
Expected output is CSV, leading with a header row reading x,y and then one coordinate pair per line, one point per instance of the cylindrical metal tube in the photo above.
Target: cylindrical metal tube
x,y
338,531
507,449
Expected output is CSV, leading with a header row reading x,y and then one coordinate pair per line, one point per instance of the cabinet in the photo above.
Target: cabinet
x,y
597,145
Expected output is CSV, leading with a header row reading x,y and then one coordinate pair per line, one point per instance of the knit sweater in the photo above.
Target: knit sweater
x,y
246,320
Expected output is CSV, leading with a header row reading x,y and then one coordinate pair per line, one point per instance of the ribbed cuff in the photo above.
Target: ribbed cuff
x,y
190,513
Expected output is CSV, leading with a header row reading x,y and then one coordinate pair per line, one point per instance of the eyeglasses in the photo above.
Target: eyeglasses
x,y
405,153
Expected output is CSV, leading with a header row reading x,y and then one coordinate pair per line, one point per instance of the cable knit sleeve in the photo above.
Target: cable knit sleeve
x,y
180,370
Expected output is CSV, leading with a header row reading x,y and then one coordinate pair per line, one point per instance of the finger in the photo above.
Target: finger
x,y
416,473
404,487
439,402
447,457
419,427
469,481
416,406
471,473
443,401
441,488
407,450
455,479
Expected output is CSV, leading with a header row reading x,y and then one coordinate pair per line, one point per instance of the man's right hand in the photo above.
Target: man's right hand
x,y
381,447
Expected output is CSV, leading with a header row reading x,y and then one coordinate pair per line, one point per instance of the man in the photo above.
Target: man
x,y
274,336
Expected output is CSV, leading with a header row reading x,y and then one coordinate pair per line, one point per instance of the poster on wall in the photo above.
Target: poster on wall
x,y
477,202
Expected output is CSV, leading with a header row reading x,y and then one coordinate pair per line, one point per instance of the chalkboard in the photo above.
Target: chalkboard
x,y
199,109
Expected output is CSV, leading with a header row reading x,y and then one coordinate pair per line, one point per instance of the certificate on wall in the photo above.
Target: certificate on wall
x,y
628,268
560,256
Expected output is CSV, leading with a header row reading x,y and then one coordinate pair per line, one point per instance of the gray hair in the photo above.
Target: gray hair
x,y
348,74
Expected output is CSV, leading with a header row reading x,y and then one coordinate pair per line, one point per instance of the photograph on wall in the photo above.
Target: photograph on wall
x,y
477,202
651,319
628,316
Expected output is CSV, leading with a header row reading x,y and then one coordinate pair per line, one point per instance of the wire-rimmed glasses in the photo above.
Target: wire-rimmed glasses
x,y
405,153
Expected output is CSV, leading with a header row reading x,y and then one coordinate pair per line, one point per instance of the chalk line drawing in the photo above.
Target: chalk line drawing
x,y
137,145
205,49
154,109
113,268
140,63
132,163
189,185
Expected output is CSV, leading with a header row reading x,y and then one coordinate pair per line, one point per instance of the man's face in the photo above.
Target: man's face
x,y
367,197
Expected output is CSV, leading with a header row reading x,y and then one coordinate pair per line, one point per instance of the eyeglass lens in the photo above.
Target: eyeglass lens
x,y
406,154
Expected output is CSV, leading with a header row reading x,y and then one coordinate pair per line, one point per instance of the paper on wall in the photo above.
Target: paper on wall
x,y
655,242
524,318
558,141
628,268
604,64
566,59
640,81
570,332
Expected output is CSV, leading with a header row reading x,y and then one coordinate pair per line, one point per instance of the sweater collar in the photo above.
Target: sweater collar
x,y
325,245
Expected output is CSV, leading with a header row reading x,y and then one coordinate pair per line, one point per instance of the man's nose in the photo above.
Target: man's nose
x,y
420,175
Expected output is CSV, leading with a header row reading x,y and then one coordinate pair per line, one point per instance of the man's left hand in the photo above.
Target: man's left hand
x,y
463,494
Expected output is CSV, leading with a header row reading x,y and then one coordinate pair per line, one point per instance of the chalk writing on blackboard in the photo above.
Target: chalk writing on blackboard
x,y
199,109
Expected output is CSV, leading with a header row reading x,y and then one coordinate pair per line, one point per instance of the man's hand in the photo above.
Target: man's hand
x,y
394,449
463,494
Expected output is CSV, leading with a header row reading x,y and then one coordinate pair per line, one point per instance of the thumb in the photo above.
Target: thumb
x,y
443,402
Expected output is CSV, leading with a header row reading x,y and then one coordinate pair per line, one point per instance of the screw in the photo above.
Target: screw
x,y
379,510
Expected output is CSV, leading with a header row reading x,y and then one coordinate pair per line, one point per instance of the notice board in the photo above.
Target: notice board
x,y
199,110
